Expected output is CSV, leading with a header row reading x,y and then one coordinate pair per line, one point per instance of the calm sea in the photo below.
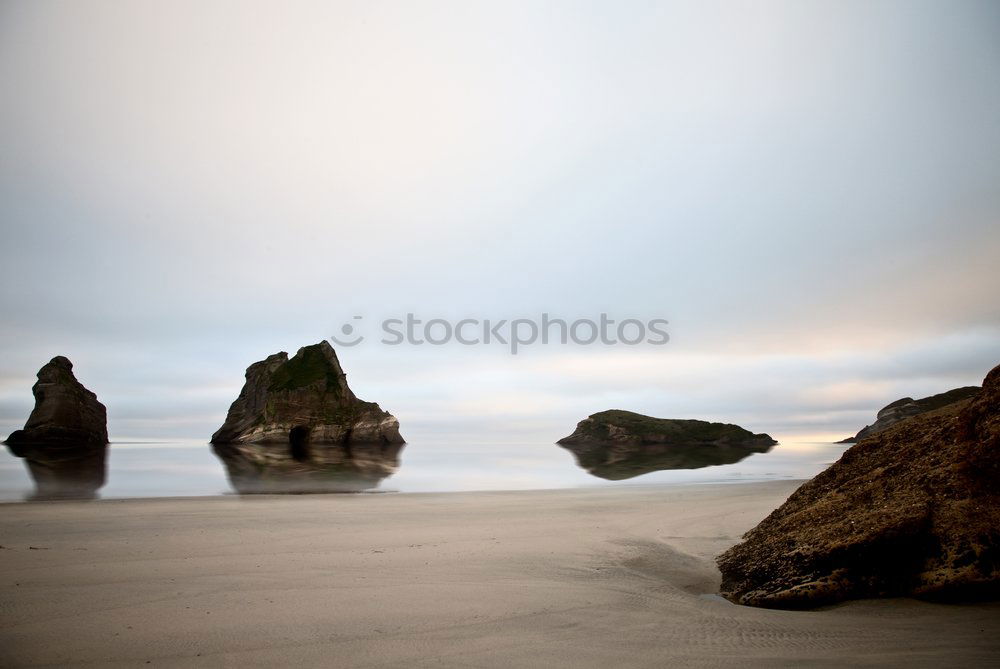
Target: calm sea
x,y
189,468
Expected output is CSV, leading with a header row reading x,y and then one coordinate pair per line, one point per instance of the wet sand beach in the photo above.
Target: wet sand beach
x,y
580,577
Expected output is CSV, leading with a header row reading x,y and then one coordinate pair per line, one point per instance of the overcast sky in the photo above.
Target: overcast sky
x,y
807,191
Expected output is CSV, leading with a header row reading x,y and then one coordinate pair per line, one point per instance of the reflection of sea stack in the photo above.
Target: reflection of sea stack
x,y
618,444
297,427
65,439
911,511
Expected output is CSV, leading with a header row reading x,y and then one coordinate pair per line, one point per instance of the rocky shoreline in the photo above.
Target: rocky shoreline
x,y
913,510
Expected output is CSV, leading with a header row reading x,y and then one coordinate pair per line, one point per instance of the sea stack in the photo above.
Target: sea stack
x,y
618,444
65,440
913,510
298,427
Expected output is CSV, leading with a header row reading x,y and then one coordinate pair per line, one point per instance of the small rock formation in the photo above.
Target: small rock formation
x,y
618,445
913,510
908,407
297,427
65,440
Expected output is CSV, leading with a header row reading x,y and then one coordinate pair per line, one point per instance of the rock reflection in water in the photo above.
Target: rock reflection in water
x,y
298,467
616,464
65,440
64,471
617,444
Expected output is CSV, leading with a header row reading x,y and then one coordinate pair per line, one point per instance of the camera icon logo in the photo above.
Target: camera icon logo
x,y
347,330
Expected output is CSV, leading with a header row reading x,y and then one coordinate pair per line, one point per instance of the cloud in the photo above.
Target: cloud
x,y
807,193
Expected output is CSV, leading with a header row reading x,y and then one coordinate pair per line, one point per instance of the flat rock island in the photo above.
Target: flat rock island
x,y
618,444
297,427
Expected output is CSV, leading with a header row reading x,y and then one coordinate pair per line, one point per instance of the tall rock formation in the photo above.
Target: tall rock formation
x,y
65,440
298,427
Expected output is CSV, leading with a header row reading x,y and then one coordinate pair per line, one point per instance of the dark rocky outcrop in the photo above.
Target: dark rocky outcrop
x,y
65,440
908,407
913,510
619,444
297,427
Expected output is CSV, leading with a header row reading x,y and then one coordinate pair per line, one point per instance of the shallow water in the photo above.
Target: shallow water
x,y
186,468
